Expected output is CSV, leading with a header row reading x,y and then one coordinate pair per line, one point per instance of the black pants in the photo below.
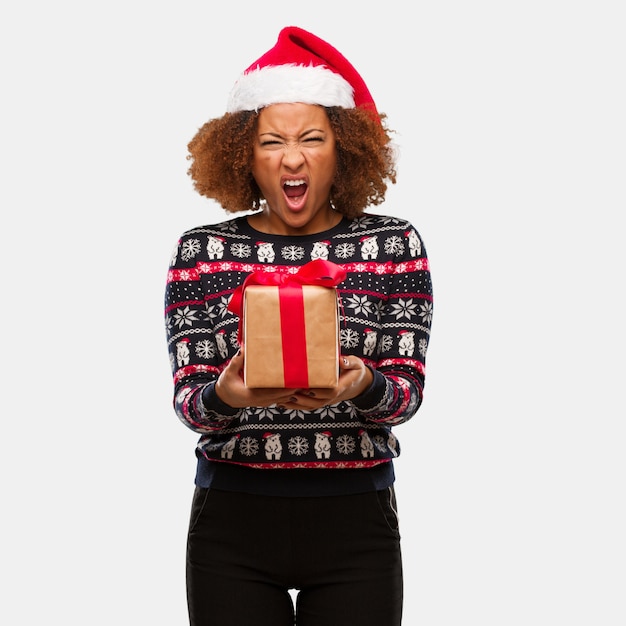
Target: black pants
x,y
342,554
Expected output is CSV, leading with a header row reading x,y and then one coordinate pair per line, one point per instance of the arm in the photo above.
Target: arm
x,y
396,392
191,337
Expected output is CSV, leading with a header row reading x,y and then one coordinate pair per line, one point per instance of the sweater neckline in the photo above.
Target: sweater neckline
x,y
246,228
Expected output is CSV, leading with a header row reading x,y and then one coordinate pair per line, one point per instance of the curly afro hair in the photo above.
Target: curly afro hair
x,y
221,157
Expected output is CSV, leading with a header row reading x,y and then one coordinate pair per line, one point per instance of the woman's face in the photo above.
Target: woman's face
x,y
294,163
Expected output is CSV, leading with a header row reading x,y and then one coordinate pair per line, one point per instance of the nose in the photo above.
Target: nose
x,y
292,156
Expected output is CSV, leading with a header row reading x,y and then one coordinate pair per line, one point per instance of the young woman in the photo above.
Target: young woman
x,y
294,486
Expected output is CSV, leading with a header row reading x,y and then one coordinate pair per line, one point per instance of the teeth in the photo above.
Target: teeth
x,y
294,183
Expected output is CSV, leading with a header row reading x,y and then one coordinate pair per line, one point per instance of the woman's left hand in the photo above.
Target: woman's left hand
x,y
354,379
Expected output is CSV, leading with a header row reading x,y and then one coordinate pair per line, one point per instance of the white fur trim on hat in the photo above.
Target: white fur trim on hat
x,y
290,83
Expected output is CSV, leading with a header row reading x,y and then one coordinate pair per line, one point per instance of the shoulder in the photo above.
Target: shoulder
x,y
214,234
209,241
374,222
230,226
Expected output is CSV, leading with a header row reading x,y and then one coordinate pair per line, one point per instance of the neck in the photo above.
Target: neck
x,y
267,222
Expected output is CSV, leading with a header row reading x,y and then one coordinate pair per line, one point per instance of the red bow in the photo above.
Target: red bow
x,y
318,272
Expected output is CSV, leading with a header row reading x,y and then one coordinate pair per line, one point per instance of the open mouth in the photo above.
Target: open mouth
x,y
294,188
295,191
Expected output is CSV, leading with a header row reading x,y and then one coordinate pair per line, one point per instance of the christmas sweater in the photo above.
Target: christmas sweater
x,y
385,317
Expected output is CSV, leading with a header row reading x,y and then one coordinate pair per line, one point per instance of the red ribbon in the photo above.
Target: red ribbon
x,y
291,301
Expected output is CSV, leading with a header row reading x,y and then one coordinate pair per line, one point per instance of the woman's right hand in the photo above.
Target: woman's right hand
x,y
231,389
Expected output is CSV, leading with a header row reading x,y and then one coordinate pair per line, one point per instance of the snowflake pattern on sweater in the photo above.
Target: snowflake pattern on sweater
x,y
385,319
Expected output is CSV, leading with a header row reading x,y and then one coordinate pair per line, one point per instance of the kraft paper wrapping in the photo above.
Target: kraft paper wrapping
x,y
264,333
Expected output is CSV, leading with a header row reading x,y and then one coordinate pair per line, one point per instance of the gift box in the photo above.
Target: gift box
x,y
289,325
291,336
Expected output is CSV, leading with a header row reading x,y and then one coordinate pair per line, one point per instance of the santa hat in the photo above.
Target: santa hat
x,y
300,68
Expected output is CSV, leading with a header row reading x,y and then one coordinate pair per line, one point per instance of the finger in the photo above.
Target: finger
x,y
346,363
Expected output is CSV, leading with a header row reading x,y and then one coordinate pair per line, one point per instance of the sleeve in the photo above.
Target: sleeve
x,y
399,372
195,359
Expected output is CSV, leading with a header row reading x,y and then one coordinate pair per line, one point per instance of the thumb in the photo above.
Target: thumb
x,y
345,363
237,360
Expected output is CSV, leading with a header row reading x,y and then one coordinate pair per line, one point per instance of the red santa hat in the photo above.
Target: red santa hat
x,y
300,67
